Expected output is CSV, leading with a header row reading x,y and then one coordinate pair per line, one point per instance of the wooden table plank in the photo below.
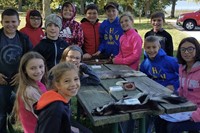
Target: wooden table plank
x,y
91,97
149,86
114,67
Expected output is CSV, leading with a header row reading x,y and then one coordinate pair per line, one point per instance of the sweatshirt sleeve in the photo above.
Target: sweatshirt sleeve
x,y
196,115
78,35
135,53
102,41
169,45
88,76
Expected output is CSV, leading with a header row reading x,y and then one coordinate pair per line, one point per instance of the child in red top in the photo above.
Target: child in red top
x,y
33,27
90,27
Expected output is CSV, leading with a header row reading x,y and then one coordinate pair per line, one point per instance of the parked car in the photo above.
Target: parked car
x,y
189,20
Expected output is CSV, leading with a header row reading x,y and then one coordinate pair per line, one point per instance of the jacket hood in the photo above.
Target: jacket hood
x,y
48,98
85,20
74,11
116,21
160,54
28,24
195,67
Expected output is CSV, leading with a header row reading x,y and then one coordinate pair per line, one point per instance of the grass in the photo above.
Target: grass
x,y
142,26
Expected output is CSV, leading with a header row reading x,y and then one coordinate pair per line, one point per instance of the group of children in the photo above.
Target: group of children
x,y
62,48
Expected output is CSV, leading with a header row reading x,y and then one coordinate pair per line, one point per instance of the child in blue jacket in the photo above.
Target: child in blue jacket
x,y
110,31
158,65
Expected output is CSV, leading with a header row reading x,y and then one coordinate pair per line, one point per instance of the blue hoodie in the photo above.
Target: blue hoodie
x,y
109,37
163,69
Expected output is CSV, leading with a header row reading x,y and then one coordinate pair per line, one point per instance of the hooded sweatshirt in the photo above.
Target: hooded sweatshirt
x,y
162,69
51,50
35,35
165,40
110,34
71,30
91,36
190,86
53,113
130,49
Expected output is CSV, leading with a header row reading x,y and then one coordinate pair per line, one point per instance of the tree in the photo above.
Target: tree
x,y
46,7
173,8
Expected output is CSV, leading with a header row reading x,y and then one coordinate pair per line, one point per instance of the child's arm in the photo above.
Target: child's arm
x,y
78,35
89,77
169,45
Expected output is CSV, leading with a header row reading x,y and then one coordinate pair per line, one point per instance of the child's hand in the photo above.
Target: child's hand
x,y
97,53
171,87
2,79
87,56
15,80
74,129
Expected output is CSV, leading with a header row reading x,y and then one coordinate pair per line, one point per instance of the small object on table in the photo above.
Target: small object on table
x,y
129,86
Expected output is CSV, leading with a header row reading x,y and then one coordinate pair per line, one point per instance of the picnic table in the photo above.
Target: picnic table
x,y
91,97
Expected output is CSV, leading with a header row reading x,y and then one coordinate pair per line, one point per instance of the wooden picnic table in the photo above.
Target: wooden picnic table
x,y
91,97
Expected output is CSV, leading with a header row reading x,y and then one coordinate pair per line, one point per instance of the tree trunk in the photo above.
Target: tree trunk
x,y
82,6
46,8
19,5
173,8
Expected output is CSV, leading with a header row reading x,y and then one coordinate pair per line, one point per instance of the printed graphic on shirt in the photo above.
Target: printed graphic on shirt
x,y
10,54
157,73
162,41
66,33
111,36
192,84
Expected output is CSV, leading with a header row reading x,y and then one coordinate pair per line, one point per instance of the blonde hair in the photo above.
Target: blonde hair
x,y
128,14
70,48
152,39
25,80
57,71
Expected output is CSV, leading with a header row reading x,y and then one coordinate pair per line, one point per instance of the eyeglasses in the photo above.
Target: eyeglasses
x,y
35,18
73,57
188,49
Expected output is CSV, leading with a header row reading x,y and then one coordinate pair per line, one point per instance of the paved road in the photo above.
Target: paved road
x,y
195,33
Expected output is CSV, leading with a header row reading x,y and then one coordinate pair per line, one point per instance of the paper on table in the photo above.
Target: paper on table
x,y
177,117
115,88
96,66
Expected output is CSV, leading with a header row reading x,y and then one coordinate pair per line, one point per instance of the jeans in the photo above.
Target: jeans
x,y
162,126
5,106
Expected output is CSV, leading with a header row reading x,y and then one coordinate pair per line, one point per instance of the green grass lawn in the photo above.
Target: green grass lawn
x,y
143,26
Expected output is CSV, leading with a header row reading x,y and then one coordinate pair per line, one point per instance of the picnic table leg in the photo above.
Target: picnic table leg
x,y
115,128
142,125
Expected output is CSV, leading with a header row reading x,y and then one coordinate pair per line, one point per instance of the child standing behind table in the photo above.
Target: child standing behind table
x,y
33,27
71,30
166,42
130,49
90,25
52,47
74,54
188,55
110,32
159,66
32,81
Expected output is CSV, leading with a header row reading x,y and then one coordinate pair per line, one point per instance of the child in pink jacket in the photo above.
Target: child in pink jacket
x,y
189,59
130,43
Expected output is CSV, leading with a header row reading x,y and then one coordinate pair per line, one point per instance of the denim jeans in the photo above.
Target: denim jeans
x,y
5,106
162,126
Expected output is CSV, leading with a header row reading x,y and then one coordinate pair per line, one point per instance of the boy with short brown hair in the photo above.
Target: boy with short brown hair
x,y
13,45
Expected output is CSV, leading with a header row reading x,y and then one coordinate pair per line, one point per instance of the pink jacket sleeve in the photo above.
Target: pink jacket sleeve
x,y
196,115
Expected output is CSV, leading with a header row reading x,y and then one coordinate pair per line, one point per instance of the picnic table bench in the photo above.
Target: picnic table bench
x,y
91,97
